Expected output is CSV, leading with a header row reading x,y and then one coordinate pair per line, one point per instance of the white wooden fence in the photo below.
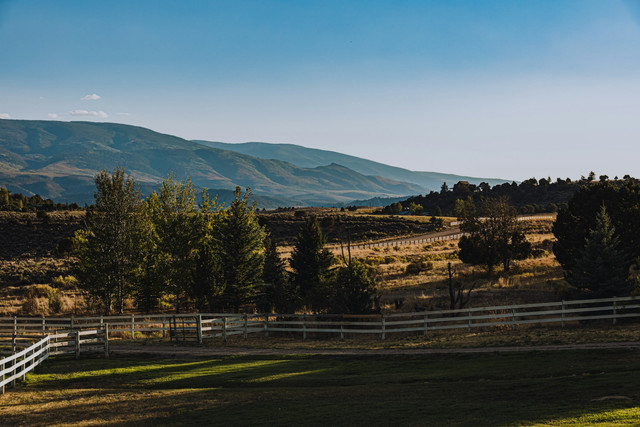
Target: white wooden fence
x,y
19,363
199,326
406,242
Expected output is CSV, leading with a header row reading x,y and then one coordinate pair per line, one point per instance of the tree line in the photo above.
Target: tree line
x,y
528,197
18,202
597,237
174,250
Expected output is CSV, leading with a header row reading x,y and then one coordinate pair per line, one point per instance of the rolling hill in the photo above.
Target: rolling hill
x,y
59,159
310,157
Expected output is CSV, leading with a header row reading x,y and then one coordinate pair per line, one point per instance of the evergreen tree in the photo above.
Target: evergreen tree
x,y
310,263
601,267
4,199
173,211
576,221
112,247
207,282
278,293
241,244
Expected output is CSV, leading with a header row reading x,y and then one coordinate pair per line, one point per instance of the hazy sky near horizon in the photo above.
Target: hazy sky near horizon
x,y
508,89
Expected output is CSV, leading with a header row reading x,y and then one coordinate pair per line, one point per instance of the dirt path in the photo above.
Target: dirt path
x,y
176,350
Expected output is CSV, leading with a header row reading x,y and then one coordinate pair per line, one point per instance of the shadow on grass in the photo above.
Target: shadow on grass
x,y
489,389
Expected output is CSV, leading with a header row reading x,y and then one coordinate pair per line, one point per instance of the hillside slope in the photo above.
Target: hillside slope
x,y
59,159
311,157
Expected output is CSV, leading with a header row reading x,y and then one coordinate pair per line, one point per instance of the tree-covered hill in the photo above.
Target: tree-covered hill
x,y
59,159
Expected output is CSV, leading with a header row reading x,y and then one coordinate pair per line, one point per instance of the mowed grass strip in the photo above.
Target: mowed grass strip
x,y
555,388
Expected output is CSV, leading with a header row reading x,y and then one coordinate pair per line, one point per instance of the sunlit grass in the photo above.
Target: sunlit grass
x,y
562,388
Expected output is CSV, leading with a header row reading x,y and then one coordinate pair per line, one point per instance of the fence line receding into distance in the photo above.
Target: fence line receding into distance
x,y
199,326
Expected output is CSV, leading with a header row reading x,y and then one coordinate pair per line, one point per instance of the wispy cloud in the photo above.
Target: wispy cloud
x,y
53,115
92,97
123,114
5,116
85,113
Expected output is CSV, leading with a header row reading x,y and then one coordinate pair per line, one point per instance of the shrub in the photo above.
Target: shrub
x,y
65,282
37,301
39,291
418,266
56,302
64,247
43,216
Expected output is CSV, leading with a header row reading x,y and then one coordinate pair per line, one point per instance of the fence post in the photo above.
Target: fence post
x,y
469,319
71,323
304,327
2,377
164,331
224,328
266,325
341,332
44,329
384,332
77,344
563,313
15,325
13,371
24,366
13,343
615,310
133,327
426,324
245,332
513,318
106,340
199,327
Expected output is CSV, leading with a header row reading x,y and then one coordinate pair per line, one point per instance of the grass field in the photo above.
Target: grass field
x,y
556,388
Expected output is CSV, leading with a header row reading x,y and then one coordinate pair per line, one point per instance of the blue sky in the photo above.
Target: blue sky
x,y
509,89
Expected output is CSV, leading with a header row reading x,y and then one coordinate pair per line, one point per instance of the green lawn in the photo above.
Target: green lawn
x,y
556,388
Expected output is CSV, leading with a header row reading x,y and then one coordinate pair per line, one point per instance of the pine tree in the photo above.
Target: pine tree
x,y
112,247
278,293
4,199
310,263
601,268
241,244
207,282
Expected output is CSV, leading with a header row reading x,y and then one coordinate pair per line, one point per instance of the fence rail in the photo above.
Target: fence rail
x,y
199,326
19,363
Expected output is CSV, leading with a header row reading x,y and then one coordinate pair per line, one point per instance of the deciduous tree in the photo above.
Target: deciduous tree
x,y
493,236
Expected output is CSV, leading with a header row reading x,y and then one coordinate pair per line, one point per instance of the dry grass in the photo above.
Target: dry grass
x,y
532,280
523,335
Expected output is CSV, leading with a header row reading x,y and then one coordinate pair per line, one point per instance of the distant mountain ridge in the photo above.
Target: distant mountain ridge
x,y
59,159
312,157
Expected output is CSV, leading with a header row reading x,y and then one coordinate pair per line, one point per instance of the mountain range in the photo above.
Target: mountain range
x,y
59,159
